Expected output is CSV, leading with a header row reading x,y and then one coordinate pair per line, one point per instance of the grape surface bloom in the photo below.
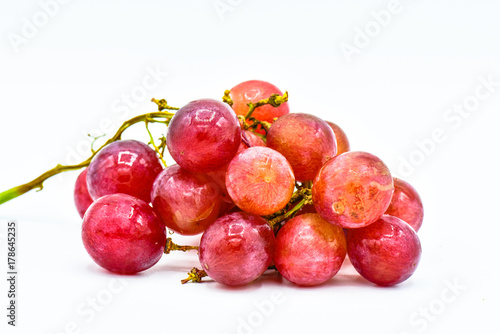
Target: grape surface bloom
x,y
123,234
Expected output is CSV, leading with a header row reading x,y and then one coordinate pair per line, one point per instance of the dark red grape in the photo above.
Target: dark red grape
x,y
353,189
186,202
306,141
260,181
309,250
81,194
123,234
386,252
406,204
237,248
125,166
340,138
254,91
203,135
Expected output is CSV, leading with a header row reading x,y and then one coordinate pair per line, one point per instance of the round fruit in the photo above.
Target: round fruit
x,y
125,166
309,250
260,181
306,141
386,253
186,202
340,138
406,204
81,194
237,248
123,234
203,135
352,190
254,91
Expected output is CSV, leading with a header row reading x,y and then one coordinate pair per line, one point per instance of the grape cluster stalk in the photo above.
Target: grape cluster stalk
x,y
267,189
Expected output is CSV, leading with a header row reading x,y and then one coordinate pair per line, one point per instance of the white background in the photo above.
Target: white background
x,y
75,71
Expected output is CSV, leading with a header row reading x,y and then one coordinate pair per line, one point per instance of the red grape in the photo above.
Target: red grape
x,y
406,204
386,252
186,202
260,181
81,194
352,190
254,91
309,250
237,248
123,234
306,141
125,166
340,138
219,175
203,135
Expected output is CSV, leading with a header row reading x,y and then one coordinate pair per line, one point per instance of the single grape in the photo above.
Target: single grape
x,y
352,190
306,141
186,202
386,252
203,135
254,91
406,204
125,166
237,248
340,138
260,181
123,234
219,175
309,250
81,194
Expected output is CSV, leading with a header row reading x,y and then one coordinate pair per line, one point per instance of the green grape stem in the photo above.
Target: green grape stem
x,y
37,183
195,276
171,246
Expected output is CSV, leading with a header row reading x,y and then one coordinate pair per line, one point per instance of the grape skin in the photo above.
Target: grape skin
x,y
203,135
123,234
254,91
309,250
353,190
406,204
237,248
125,166
306,141
260,180
386,252
186,202
340,138
81,194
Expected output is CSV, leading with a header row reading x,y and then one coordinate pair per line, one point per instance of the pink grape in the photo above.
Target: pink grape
x,y
81,194
260,180
123,234
406,204
340,138
309,250
125,166
203,135
237,248
254,91
352,190
219,175
186,202
306,141
386,252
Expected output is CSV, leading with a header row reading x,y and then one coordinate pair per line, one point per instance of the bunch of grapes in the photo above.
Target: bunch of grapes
x,y
268,189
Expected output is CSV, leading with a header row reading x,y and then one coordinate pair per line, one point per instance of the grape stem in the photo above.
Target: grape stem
x,y
195,276
153,117
303,193
171,246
